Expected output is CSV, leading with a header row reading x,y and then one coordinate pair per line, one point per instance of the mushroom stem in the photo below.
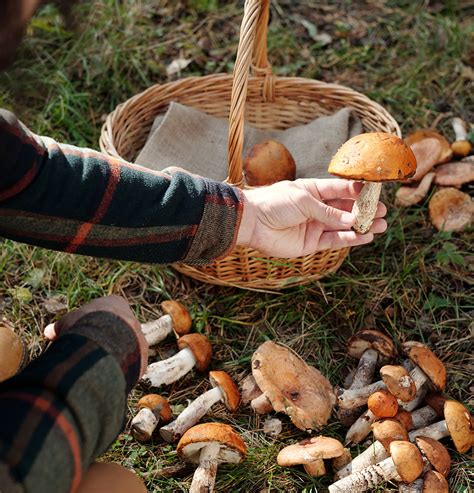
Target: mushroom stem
x,y
414,403
414,487
436,431
419,377
365,369
205,475
361,427
157,330
365,206
315,468
371,455
144,424
261,404
169,370
459,127
191,415
423,416
357,397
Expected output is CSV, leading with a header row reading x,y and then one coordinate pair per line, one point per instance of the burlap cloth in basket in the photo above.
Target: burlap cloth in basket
x,y
197,142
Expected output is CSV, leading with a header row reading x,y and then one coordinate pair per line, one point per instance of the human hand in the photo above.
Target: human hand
x,y
113,304
295,218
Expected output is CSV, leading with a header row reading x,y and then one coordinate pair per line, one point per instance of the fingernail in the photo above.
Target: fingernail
x,y
347,218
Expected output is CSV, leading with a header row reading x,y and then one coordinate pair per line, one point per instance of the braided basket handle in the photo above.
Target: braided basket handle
x,y
252,48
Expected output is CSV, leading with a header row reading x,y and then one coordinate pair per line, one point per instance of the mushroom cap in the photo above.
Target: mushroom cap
x,y
371,339
398,382
229,390
404,417
200,346
179,314
157,404
436,401
434,482
407,459
14,356
309,450
460,425
430,148
232,447
436,453
374,156
292,386
427,361
407,196
454,174
461,148
450,209
268,162
388,430
383,404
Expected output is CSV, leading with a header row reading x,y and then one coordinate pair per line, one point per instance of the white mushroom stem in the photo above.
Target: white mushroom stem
x,y
144,424
365,206
436,431
414,487
418,377
459,127
169,370
205,475
365,369
157,330
357,397
316,468
414,403
261,404
423,417
361,427
191,415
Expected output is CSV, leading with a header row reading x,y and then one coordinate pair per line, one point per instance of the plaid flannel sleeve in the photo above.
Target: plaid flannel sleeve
x,y
78,200
66,407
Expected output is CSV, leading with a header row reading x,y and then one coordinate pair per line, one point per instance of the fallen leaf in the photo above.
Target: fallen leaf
x,y
55,304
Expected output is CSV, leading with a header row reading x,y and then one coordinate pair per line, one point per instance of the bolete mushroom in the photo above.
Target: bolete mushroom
x,y
176,318
210,444
461,146
224,389
153,409
195,350
434,482
267,163
405,464
454,174
416,419
15,357
374,158
407,196
451,210
292,386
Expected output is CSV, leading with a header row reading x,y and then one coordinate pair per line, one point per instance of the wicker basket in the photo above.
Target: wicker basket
x,y
268,102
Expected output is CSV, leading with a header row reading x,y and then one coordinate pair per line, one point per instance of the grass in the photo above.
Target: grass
x,y
412,282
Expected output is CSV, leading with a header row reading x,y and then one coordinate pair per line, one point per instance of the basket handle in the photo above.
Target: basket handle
x,y
252,48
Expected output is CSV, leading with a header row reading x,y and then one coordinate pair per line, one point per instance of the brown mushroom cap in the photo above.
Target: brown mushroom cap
x,y
460,426
11,360
434,482
232,447
157,404
427,361
374,156
407,459
398,382
200,346
404,417
383,404
461,148
179,314
388,430
268,162
436,401
436,453
451,210
309,450
454,174
371,339
292,386
229,390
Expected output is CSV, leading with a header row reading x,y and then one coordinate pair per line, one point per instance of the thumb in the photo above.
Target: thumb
x,y
327,215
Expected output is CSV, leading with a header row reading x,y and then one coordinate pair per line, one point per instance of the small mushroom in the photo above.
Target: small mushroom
x,y
454,174
176,318
405,464
434,482
292,386
14,357
224,389
210,444
153,409
451,210
436,454
372,158
310,453
461,146
407,196
195,350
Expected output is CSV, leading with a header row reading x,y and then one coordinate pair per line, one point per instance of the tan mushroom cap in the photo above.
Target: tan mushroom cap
x,y
436,453
434,482
460,425
292,386
388,430
158,404
309,450
461,148
404,417
454,174
14,356
407,196
229,390
398,382
200,346
232,447
374,156
451,210
179,314
407,459
371,339
383,404
427,361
